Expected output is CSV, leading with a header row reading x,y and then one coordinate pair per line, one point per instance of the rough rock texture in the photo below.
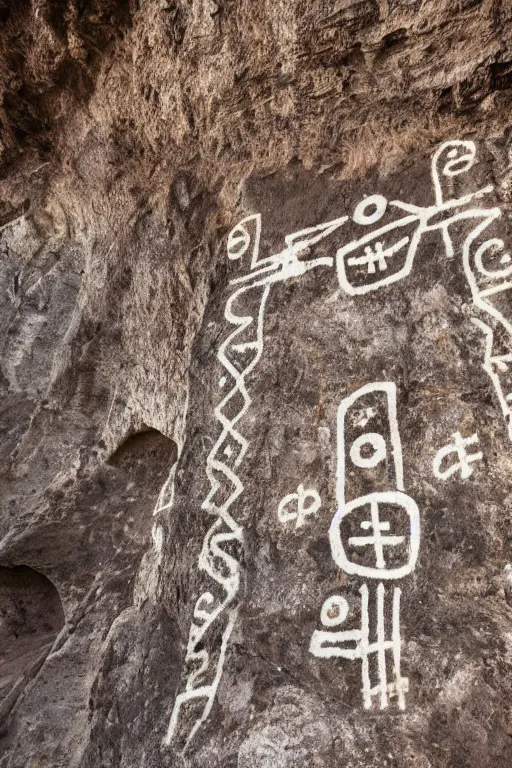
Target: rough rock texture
x,y
134,136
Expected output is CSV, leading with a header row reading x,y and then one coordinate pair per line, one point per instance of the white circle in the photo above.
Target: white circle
x,y
238,242
374,201
394,498
378,444
334,611
461,158
499,245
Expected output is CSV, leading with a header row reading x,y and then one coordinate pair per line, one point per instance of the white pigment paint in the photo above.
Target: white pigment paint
x,y
377,535
334,611
377,445
377,540
355,644
463,458
377,256
451,159
492,364
265,272
303,503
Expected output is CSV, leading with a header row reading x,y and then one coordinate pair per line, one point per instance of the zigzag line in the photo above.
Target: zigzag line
x,y
212,550
277,268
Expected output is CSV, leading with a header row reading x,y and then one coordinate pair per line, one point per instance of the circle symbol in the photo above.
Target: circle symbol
x,y
396,499
238,242
460,158
376,443
494,246
334,611
370,210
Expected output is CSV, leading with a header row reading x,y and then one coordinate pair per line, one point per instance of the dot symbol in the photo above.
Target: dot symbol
x,y
238,242
334,611
377,445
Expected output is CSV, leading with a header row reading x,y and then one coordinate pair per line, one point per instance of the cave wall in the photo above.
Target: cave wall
x,y
179,474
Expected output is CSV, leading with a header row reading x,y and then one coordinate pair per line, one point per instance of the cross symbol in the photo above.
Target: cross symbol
x,y
377,540
377,256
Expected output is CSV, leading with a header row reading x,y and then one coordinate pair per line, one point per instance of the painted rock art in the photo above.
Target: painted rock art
x,y
389,552
298,506
374,534
455,457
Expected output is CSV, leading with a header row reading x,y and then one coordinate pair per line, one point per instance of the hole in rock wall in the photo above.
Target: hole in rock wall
x,y
31,616
139,467
148,447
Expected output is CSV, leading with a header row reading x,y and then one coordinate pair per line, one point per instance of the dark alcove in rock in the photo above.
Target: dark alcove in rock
x,y
31,616
148,447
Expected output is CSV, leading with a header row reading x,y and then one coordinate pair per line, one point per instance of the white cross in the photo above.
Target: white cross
x,y
378,541
379,255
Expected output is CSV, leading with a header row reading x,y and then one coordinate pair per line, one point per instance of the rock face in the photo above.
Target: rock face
x,y
256,436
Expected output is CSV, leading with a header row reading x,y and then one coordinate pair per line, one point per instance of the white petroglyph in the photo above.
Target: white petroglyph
x,y
303,503
460,155
377,446
393,451
376,539
355,644
364,417
376,251
487,285
483,281
491,365
286,263
366,452
240,240
366,509
334,611
368,263
463,459
157,535
166,496
229,450
383,255
378,202
377,255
